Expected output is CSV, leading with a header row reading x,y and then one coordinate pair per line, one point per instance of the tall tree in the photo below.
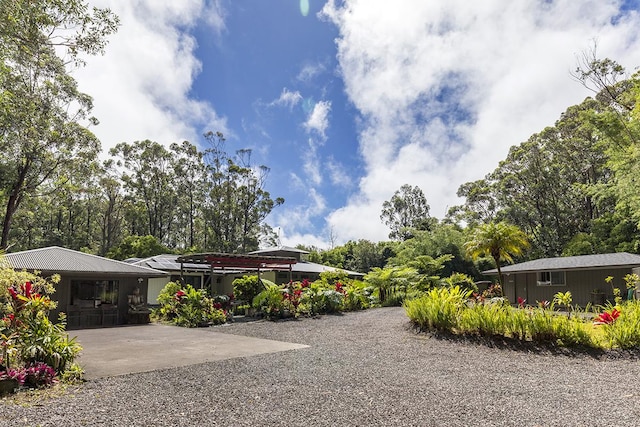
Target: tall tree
x,y
149,176
190,175
406,209
43,113
499,240
237,201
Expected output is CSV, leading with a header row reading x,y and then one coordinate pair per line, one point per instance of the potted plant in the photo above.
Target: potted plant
x,y
597,297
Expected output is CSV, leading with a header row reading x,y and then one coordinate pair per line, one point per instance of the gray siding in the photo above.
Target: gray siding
x,y
581,283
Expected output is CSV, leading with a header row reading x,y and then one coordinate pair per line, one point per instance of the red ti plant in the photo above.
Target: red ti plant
x,y
340,288
521,302
607,317
179,295
543,304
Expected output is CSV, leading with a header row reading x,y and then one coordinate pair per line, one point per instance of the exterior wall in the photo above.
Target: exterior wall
x,y
91,314
156,284
581,284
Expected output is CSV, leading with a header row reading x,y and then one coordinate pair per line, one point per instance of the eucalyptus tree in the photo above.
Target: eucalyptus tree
x,y
190,175
407,209
148,176
237,202
44,116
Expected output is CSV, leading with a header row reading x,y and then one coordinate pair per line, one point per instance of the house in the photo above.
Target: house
x,y
198,275
584,276
216,272
93,291
302,269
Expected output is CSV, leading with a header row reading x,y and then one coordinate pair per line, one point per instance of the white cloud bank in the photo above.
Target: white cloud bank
x,y
444,88
141,85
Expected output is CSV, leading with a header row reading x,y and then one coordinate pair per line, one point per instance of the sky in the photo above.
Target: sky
x,y
346,101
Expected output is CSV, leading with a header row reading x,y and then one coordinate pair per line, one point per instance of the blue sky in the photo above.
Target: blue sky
x,y
349,100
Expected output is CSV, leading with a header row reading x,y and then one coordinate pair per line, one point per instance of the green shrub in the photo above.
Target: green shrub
x,y
44,341
485,319
187,306
246,288
27,336
464,281
270,302
624,331
438,309
357,296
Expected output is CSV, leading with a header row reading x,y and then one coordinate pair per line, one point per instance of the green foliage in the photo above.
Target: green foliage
x,y
187,306
485,319
270,301
563,299
73,375
407,209
500,241
461,280
137,247
624,332
43,133
44,341
27,337
320,297
358,296
449,310
438,309
390,280
246,288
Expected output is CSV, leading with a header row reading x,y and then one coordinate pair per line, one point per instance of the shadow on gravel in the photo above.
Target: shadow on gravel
x,y
543,349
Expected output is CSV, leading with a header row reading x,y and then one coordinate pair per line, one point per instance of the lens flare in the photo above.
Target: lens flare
x,y
304,7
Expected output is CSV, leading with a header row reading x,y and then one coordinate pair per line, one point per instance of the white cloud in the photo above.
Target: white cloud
x,y
287,99
318,119
444,88
310,72
141,85
338,173
298,218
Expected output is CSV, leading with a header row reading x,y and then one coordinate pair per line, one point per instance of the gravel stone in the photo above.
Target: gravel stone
x,y
366,368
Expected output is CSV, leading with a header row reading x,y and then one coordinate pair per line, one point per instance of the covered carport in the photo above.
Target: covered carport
x,y
222,262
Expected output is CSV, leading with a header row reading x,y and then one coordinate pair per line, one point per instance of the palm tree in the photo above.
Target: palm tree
x,y
501,241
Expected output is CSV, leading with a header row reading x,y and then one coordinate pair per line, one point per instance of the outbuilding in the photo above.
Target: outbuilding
x,y
93,291
585,276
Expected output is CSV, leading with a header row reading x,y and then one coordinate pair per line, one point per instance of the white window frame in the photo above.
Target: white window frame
x,y
551,278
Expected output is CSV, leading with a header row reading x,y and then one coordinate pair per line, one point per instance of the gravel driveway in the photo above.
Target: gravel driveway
x,y
361,369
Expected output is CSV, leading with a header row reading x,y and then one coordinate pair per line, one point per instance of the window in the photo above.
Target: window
x,y
87,293
552,278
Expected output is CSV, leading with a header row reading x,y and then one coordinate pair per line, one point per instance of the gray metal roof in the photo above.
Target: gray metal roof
x,y
312,267
60,260
599,261
278,249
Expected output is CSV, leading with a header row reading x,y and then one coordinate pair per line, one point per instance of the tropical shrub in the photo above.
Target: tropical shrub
x,y
464,281
621,326
485,319
357,296
438,309
246,288
189,307
270,302
450,310
33,349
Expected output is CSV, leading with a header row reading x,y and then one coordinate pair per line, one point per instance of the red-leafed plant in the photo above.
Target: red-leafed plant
x,y
607,317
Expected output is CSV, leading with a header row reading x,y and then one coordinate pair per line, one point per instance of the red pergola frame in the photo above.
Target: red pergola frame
x,y
222,261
